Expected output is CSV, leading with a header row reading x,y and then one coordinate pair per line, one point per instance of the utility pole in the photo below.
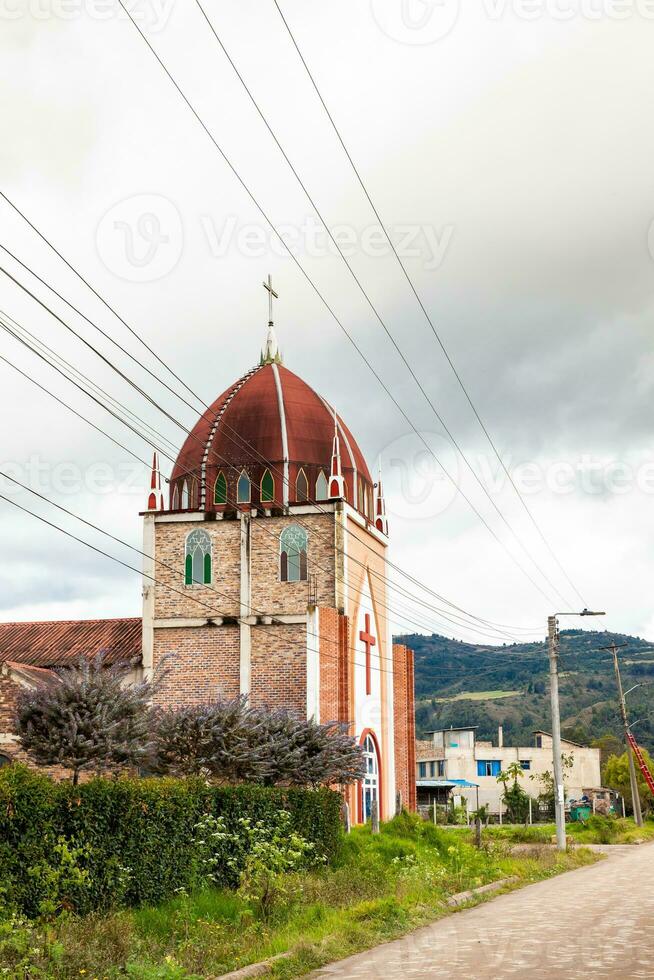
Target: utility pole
x,y
559,791
635,794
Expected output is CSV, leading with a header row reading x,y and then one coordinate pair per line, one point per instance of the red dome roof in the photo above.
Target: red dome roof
x,y
268,420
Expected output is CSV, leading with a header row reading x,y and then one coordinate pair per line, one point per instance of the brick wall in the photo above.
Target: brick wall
x,y
269,594
334,675
279,667
404,719
197,602
203,663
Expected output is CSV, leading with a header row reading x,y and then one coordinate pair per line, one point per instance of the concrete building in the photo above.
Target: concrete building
x,y
453,757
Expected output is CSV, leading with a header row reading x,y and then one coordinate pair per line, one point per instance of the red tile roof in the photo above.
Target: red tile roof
x,y
59,643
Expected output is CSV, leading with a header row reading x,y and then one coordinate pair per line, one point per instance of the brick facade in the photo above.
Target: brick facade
x,y
334,692
202,663
405,731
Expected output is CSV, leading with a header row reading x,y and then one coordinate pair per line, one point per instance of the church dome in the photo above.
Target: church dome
x,y
268,441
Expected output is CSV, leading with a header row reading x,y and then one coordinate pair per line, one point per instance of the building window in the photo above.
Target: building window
x,y
489,767
440,768
243,489
370,784
293,554
422,770
525,764
267,487
220,489
539,741
185,495
322,490
301,487
175,501
197,568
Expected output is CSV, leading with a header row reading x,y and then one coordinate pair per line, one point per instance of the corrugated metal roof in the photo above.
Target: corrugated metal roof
x,y
59,643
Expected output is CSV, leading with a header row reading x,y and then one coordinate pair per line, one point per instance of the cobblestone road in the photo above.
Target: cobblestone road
x,y
597,921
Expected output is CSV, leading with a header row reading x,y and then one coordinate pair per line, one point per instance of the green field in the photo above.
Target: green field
x,y
479,696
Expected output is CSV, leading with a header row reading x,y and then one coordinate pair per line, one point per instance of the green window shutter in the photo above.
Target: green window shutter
x,y
220,490
188,575
267,487
207,569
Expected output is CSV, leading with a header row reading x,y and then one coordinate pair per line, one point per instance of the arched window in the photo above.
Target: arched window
x,y
267,487
220,489
322,490
361,496
197,567
243,489
301,487
185,496
370,782
293,554
175,501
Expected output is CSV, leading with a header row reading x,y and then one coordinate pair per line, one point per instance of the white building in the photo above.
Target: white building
x,y
453,757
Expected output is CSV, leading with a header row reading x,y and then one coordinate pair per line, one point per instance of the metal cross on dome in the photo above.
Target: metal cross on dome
x,y
370,641
271,292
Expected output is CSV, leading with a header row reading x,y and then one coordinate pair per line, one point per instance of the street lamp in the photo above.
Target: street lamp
x,y
553,650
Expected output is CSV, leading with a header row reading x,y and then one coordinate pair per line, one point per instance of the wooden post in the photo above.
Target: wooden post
x,y
434,809
345,815
467,811
530,813
594,802
500,813
374,816
478,831
624,812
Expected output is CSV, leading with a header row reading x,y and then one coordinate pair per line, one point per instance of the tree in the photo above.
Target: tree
x,y
608,745
220,739
86,718
232,742
616,775
515,799
547,794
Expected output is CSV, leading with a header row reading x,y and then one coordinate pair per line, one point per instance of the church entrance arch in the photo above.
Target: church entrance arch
x,y
370,785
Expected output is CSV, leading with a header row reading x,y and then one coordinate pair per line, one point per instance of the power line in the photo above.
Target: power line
x,y
329,308
423,307
370,303
166,453
155,404
395,567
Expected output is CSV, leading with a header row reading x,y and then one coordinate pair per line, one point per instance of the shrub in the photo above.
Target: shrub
x,y
130,841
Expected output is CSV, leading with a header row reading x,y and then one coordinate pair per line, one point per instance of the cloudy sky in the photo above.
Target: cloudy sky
x,y
509,151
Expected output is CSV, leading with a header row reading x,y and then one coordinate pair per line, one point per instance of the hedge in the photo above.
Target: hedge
x,y
133,839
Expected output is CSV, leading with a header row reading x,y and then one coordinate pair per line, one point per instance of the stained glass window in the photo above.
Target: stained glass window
x,y
243,489
293,554
197,565
301,487
321,486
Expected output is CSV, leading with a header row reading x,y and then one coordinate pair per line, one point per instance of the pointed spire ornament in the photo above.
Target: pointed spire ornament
x,y
336,481
271,353
155,499
381,521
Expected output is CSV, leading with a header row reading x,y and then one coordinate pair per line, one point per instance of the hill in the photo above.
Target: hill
x,y
461,683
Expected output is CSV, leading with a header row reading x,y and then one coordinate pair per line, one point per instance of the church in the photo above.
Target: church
x,y
266,576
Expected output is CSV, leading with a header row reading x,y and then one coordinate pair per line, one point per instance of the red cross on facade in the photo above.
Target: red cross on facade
x,y
367,637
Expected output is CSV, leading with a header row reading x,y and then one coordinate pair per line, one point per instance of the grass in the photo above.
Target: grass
x,y
381,887
598,830
479,696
